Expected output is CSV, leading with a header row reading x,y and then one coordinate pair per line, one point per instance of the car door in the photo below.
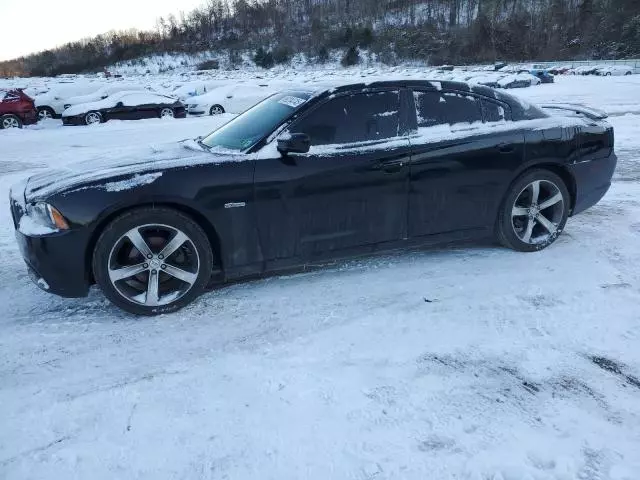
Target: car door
x,y
121,109
349,190
464,149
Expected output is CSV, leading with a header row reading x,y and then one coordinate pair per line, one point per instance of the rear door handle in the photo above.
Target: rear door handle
x,y
391,166
506,148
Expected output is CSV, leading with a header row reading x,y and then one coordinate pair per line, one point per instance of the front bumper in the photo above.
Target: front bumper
x,y
593,180
79,120
56,262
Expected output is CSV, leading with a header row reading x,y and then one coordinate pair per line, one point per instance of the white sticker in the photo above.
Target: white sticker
x,y
292,102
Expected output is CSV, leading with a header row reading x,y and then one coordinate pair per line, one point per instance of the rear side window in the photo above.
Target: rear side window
x,y
353,118
9,97
493,112
440,108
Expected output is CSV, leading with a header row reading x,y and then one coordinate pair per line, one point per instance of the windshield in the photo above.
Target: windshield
x,y
245,130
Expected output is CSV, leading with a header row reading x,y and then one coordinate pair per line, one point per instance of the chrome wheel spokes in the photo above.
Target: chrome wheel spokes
x,y
537,212
153,265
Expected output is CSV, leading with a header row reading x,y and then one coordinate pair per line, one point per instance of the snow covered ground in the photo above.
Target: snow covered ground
x,y
471,362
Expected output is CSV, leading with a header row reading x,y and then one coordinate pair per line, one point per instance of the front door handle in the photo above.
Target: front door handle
x,y
506,148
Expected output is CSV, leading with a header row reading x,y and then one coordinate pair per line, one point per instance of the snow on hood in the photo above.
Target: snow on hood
x,y
117,172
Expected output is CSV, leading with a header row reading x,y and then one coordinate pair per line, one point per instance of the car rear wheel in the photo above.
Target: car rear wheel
x,y
45,113
152,260
534,211
10,121
166,113
216,110
93,118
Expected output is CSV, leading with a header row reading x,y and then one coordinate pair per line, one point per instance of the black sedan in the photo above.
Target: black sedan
x,y
305,177
132,105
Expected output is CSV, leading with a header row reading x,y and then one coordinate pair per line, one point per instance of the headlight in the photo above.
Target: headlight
x,y
67,106
192,106
46,215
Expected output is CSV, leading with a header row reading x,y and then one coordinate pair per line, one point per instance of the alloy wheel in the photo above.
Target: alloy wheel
x,y
217,110
44,114
166,113
153,265
537,212
92,118
10,122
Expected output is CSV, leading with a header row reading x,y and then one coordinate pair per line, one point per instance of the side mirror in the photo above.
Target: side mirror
x,y
294,143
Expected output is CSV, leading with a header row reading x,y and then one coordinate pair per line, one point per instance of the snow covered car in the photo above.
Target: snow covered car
x,y
103,93
50,104
229,99
16,109
124,106
544,76
615,70
186,91
519,80
306,177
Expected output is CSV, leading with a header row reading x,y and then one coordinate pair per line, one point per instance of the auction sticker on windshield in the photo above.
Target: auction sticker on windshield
x,y
291,101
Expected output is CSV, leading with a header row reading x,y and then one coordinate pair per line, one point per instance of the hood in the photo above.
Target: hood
x,y
120,166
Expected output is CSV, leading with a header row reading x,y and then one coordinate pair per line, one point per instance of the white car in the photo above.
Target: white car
x,y
615,70
50,104
186,91
229,99
102,93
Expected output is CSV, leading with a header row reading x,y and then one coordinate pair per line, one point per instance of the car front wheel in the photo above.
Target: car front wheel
x,y
534,211
92,118
45,113
10,121
166,113
216,110
150,261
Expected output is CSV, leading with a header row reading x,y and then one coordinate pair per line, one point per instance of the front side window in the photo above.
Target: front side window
x,y
446,108
354,118
245,130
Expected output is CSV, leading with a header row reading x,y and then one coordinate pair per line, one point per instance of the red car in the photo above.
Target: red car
x,y
16,109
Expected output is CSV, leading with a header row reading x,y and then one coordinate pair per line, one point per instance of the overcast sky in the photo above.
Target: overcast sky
x,y
33,25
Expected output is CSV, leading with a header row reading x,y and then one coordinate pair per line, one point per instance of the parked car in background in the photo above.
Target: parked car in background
x,y
103,93
519,80
615,70
544,76
50,104
16,109
229,99
186,91
124,106
307,177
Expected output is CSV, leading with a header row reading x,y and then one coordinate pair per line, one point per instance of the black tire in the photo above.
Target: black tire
x,y
627,73
45,112
505,226
10,121
219,108
112,234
